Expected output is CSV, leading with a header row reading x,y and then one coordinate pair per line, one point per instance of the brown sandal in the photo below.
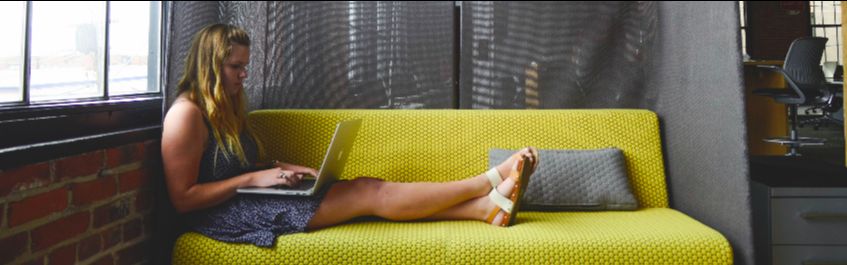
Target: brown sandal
x,y
510,205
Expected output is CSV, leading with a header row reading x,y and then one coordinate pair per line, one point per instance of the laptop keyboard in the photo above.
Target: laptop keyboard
x,y
306,184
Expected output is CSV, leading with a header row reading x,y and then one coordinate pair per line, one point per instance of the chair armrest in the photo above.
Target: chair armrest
x,y
768,66
788,79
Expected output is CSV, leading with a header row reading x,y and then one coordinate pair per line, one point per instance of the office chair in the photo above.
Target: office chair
x,y
829,110
806,86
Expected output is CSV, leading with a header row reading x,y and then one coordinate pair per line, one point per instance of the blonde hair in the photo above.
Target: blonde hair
x,y
201,82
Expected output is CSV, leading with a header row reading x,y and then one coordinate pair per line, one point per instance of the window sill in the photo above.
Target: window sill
x,y
49,131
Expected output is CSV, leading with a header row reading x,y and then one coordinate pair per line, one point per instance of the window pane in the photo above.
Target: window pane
x,y
67,50
12,17
831,53
134,47
816,10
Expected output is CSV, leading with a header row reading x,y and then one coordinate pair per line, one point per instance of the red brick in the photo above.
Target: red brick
x,y
132,254
153,155
105,260
133,180
110,213
148,225
81,165
60,230
144,200
111,236
95,190
63,255
13,247
35,261
89,247
23,178
132,229
37,206
124,155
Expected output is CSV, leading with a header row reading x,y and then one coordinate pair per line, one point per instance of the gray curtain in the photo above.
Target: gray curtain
x,y
556,54
323,54
681,60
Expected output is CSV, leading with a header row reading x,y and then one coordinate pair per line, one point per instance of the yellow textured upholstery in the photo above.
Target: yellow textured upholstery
x,y
442,145
647,236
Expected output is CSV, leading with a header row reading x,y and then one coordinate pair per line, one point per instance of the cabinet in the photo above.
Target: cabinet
x,y
799,211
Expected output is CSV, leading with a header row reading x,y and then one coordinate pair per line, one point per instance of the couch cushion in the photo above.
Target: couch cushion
x,y
443,145
646,236
575,180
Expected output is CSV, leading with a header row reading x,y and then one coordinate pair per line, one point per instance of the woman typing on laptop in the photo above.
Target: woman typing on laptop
x,y
209,153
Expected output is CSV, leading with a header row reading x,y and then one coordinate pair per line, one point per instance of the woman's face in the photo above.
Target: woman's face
x,y
235,69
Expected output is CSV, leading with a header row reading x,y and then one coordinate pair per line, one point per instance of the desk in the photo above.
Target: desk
x,y
765,117
839,95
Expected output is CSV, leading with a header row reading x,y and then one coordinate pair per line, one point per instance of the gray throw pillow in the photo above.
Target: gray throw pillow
x,y
575,180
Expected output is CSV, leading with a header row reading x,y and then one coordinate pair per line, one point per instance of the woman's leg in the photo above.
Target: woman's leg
x,y
476,209
463,199
393,201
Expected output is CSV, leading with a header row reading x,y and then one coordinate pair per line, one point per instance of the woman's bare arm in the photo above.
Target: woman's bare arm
x,y
183,140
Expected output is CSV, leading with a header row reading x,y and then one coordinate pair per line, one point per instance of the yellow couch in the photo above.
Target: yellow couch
x,y
442,145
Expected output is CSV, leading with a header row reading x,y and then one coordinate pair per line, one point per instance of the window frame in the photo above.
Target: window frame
x,y
825,26
32,132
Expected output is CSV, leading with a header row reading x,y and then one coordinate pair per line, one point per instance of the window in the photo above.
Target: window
x,y
12,16
77,74
826,22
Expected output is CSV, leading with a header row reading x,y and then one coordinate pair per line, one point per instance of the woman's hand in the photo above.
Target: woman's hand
x,y
297,169
275,176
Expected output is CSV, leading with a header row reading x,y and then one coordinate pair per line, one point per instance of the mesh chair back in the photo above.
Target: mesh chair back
x,y
802,63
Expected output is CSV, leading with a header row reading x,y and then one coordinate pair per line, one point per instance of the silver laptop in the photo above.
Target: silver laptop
x,y
333,164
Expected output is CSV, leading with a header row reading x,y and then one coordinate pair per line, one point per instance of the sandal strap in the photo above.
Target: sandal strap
x,y
501,201
492,216
494,177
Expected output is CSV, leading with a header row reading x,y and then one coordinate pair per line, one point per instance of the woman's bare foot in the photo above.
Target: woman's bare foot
x,y
530,153
486,206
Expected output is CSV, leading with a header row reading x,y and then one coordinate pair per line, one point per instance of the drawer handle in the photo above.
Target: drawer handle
x,y
822,262
824,216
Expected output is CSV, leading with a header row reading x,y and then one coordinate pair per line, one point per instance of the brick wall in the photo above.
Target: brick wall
x,y
91,208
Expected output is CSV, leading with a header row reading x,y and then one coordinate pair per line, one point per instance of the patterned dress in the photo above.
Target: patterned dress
x,y
254,219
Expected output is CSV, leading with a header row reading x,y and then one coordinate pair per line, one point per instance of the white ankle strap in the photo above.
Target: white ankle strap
x,y
494,177
501,201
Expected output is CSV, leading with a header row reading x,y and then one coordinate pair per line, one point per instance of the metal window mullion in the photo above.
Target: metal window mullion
x,y
833,13
27,53
837,38
837,45
164,26
154,37
106,53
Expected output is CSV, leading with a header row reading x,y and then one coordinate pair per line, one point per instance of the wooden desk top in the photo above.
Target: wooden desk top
x,y
763,62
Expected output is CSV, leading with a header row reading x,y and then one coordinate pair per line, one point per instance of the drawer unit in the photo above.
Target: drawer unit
x,y
799,212
809,221
795,255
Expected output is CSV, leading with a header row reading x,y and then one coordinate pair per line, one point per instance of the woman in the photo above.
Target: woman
x,y
208,153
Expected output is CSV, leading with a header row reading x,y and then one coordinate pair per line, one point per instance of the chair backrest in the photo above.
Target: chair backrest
x,y
802,63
